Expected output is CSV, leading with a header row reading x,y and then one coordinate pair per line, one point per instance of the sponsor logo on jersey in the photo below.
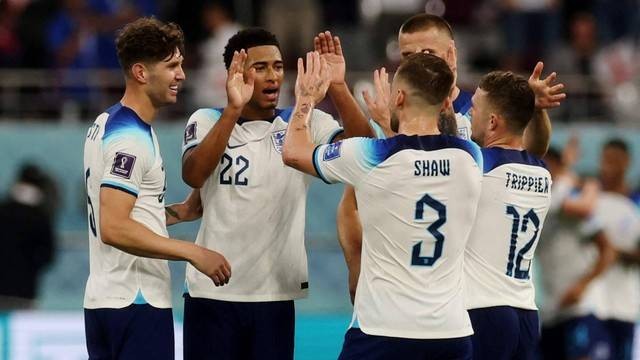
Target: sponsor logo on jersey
x,y
123,165
278,139
332,151
190,132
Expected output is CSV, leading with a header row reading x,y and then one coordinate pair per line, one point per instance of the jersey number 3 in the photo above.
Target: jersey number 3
x,y
433,229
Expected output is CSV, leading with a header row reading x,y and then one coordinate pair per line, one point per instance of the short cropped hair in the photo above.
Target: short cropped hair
x,y
245,39
148,40
511,96
617,143
428,75
424,22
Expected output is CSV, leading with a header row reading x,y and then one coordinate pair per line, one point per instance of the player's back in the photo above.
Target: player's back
x,y
121,152
513,205
417,204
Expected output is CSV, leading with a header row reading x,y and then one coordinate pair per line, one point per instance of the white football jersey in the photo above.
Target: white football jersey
x,y
565,255
620,220
254,209
121,151
515,198
417,197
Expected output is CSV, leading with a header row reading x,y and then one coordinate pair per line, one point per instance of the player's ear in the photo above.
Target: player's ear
x,y
494,120
400,98
139,73
446,105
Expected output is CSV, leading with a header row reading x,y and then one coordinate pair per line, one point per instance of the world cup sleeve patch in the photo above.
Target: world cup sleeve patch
x,y
190,132
123,165
332,151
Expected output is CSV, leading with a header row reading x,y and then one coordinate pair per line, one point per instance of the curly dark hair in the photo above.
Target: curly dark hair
x,y
148,40
245,39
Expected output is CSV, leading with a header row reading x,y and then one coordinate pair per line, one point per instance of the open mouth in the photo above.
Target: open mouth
x,y
173,89
271,93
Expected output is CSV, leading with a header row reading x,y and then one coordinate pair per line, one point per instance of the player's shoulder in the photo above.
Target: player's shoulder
x,y
123,125
206,115
388,147
462,103
495,157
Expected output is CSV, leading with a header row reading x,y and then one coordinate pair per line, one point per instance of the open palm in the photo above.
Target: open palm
x,y
330,50
239,89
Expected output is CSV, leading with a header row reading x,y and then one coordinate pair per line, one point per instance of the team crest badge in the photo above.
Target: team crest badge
x,y
278,139
463,133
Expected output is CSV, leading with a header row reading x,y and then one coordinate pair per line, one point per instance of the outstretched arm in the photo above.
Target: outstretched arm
x,y
199,162
188,210
119,230
311,87
354,121
537,135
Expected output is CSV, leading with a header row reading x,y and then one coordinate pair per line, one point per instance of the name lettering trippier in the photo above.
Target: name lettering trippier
x,y
528,183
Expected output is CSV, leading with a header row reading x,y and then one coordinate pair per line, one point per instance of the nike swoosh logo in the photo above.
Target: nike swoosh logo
x,y
236,146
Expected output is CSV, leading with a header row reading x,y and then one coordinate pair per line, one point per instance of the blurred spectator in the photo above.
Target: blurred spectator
x,y
620,219
209,87
295,23
28,238
570,328
530,27
10,46
585,95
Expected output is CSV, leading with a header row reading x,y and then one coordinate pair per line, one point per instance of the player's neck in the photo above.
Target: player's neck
x,y
418,125
616,186
253,113
506,141
135,99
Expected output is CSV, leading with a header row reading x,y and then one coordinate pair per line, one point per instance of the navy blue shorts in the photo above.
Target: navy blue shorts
x,y
134,332
577,338
358,345
620,335
226,330
504,332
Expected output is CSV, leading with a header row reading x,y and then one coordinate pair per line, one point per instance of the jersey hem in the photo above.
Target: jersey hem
x,y
249,298
466,331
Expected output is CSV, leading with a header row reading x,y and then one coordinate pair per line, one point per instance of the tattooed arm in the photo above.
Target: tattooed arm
x,y
311,87
188,210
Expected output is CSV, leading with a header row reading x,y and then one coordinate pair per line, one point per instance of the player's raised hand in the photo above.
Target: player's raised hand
x,y
548,94
239,83
212,264
379,106
313,82
330,50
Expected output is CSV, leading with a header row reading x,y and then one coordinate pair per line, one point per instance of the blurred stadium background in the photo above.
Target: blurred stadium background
x,y
58,71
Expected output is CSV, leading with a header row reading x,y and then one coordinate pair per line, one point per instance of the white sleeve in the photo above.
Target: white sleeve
x,y
346,161
198,127
126,158
324,128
